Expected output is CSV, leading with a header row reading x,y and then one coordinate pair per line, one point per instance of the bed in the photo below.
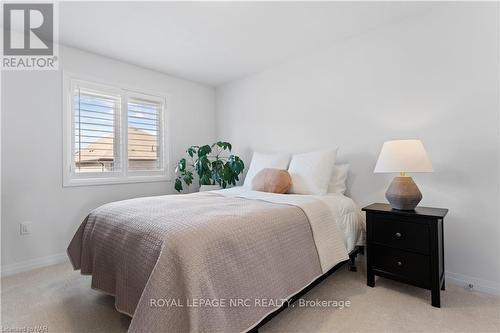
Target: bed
x,y
222,261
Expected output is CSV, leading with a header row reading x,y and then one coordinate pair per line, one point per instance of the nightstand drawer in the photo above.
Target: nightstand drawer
x,y
403,235
407,265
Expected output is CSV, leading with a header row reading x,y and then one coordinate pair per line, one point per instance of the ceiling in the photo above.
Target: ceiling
x,y
217,42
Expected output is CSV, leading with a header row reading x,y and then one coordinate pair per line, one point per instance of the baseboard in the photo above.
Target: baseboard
x,y
28,265
485,286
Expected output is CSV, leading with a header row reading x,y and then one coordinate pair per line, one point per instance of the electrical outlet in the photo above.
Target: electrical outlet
x,y
25,228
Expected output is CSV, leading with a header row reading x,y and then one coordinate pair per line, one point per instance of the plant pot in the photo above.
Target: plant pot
x,y
204,188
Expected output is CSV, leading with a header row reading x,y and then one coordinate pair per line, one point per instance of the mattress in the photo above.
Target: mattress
x,y
349,218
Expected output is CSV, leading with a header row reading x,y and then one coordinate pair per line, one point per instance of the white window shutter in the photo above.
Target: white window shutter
x,y
144,135
96,131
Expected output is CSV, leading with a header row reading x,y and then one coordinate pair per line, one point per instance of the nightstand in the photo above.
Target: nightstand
x,y
406,246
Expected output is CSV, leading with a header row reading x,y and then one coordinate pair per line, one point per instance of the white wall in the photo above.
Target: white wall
x,y
32,152
433,77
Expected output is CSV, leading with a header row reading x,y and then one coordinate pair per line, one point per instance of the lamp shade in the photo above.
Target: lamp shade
x,y
403,156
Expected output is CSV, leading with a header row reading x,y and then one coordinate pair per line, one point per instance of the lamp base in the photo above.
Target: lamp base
x,y
403,193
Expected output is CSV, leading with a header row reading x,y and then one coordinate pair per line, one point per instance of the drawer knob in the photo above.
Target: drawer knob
x,y
400,263
398,235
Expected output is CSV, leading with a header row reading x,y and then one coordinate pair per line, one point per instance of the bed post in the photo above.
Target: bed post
x,y
352,263
352,257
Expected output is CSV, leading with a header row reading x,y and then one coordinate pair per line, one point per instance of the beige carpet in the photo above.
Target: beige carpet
x,y
62,300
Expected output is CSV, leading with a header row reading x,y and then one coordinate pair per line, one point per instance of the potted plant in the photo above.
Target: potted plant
x,y
211,164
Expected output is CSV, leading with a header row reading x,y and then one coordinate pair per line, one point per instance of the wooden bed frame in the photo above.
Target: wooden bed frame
x,y
352,267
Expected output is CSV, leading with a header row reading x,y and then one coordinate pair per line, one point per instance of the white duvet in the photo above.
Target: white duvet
x,y
331,217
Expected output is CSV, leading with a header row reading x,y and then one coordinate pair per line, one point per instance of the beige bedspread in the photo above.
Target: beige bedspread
x,y
196,263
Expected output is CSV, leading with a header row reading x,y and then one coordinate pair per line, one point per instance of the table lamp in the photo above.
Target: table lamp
x,y
403,156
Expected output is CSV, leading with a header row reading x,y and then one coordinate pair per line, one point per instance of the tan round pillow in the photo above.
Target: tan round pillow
x,y
272,180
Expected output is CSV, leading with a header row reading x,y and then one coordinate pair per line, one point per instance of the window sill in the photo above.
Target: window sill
x,y
115,180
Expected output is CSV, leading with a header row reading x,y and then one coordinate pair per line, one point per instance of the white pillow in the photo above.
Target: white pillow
x,y
262,161
339,178
311,172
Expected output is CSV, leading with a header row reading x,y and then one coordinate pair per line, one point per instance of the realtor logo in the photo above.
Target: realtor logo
x,y
29,36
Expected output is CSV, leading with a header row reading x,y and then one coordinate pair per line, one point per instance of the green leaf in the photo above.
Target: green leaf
x,y
181,165
188,178
236,164
192,150
202,165
204,150
224,145
178,184
218,164
205,180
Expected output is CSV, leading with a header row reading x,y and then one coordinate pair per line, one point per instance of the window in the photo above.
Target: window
x,y
113,135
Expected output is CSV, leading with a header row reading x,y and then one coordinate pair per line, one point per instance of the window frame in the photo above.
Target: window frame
x,y
121,176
